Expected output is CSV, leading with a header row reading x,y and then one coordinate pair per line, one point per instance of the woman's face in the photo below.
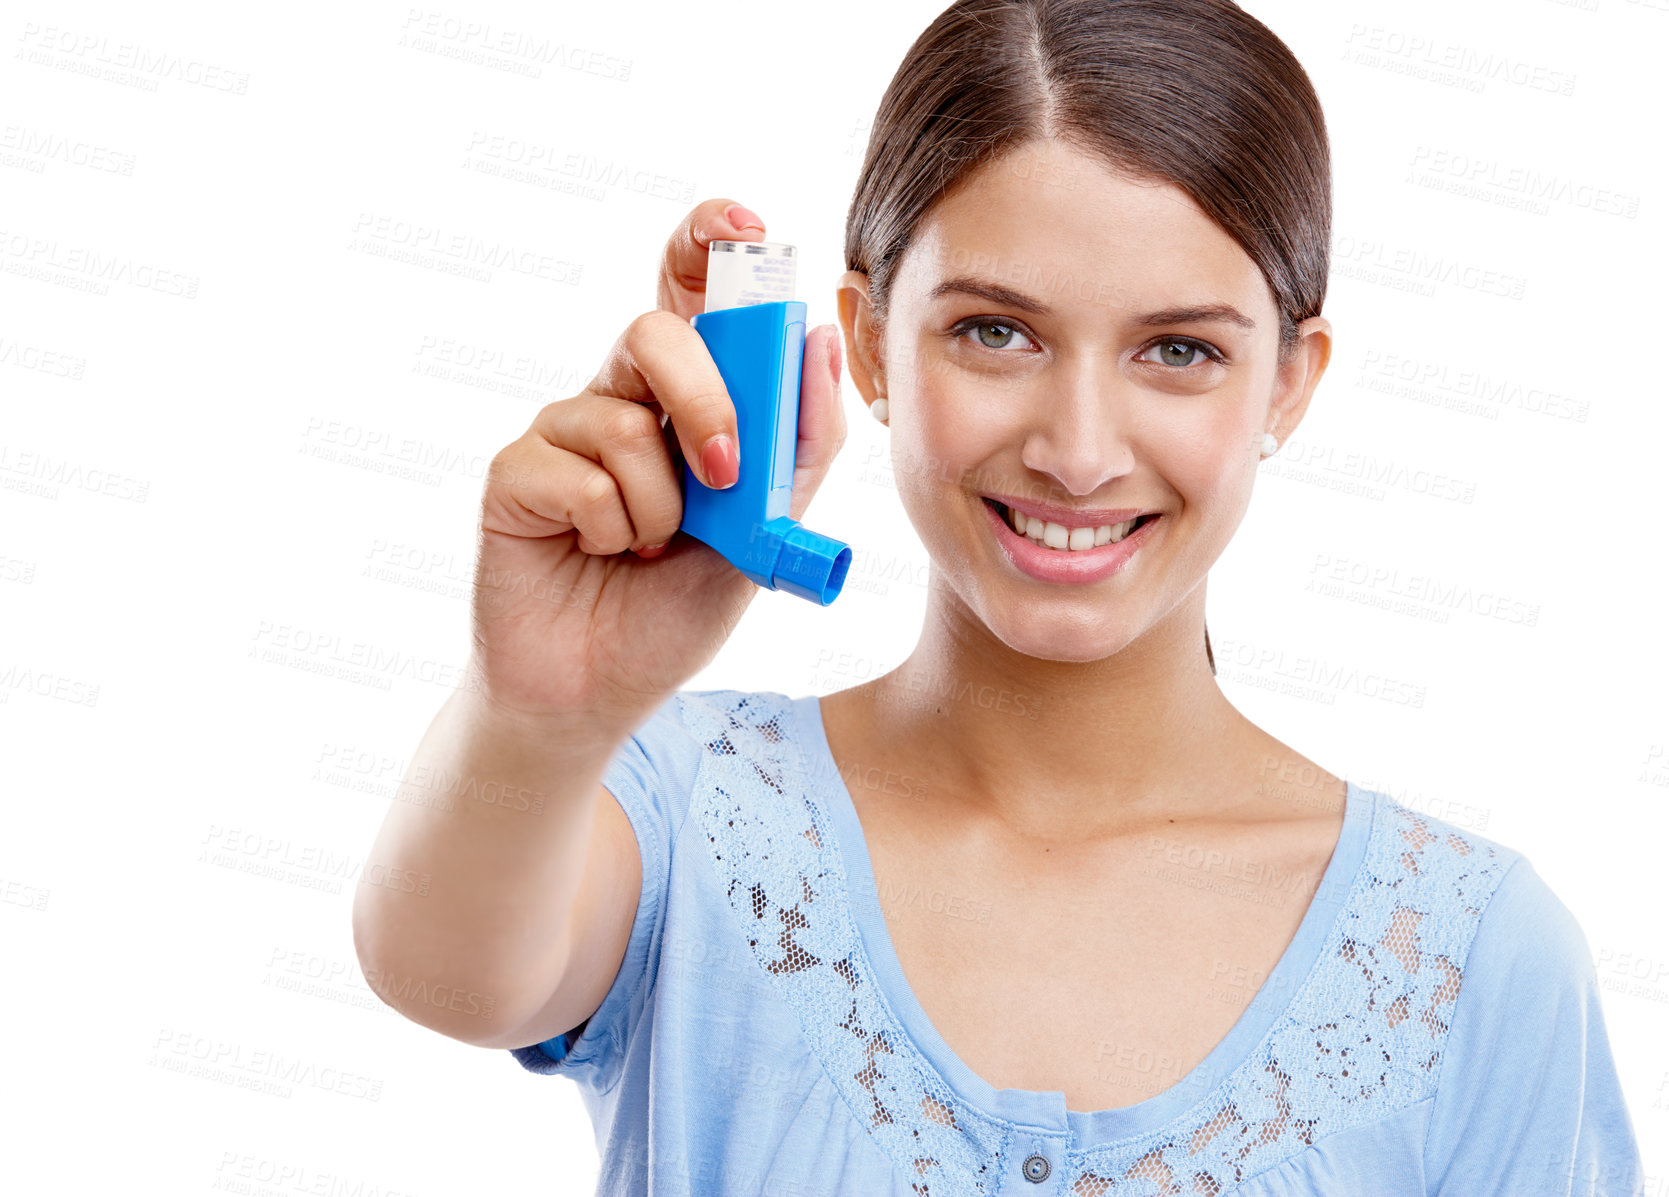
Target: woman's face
x,y
1069,338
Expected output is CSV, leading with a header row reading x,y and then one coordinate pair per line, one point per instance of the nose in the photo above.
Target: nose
x,y
1079,427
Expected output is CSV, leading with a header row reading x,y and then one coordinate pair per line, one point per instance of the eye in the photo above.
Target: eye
x,y
1175,351
991,334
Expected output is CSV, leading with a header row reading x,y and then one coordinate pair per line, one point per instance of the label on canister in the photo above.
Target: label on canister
x,y
742,273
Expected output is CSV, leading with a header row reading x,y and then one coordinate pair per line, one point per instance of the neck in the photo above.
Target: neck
x,y
1064,750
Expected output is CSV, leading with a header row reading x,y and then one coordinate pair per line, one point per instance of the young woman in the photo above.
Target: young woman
x,y
1157,951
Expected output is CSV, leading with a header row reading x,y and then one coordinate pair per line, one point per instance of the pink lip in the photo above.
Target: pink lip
x,y
1060,565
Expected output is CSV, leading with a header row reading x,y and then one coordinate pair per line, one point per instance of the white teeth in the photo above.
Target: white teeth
x,y
1059,536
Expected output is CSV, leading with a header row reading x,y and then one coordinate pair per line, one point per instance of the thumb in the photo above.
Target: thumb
x,y
822,428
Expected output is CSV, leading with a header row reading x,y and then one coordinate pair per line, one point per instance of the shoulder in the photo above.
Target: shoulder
x,y
694,715
749,725
1528,1098
1447,940
1430,860
726,706
659,766
1479,896
693,730
1529,946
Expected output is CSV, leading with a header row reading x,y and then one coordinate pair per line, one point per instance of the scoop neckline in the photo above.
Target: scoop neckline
x,y
1046,1110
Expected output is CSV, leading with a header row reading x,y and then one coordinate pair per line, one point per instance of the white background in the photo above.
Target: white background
x,y
242,446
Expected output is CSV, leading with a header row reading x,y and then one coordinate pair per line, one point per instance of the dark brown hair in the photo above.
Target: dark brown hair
x,y
1195,92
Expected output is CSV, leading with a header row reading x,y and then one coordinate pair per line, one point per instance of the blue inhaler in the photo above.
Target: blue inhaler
x,y
756,336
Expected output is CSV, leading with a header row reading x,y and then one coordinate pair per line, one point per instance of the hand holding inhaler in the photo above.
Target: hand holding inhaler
x,y
587,603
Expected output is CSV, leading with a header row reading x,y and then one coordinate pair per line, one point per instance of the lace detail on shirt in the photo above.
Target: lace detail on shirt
x,y
788,886
1361,1039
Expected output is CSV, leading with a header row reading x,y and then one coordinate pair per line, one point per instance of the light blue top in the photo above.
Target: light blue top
x,y
761,1038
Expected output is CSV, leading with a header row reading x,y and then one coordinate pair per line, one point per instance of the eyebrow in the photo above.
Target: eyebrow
x,y
967,284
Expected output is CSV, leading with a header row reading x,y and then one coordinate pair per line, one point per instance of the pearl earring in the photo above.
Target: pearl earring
x,y
1270,444
878,409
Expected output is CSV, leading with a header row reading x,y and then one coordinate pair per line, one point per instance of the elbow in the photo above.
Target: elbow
x,y
369,933
418,980
372,950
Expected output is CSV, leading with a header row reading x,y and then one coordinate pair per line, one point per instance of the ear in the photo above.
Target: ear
x,y
862,335
1296,379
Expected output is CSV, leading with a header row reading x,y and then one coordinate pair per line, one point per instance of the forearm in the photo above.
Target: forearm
x,y
461,918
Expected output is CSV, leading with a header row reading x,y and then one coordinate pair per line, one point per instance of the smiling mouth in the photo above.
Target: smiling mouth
x,y
1051,535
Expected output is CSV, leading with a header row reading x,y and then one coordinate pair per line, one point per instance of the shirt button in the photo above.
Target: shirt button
x,y
1035,1168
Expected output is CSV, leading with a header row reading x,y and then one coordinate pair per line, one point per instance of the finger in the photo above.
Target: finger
x,y
822,428
682,287
660,357
625,439
548,490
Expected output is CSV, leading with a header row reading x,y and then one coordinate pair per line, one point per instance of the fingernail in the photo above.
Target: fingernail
x,y
742,218
653,550
719,461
